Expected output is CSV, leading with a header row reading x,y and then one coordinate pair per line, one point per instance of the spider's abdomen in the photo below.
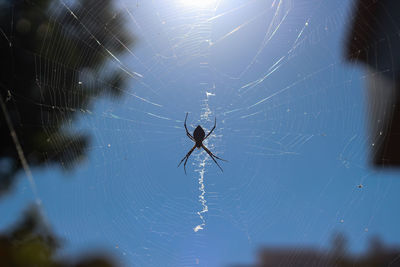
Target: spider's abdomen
x,y
198,135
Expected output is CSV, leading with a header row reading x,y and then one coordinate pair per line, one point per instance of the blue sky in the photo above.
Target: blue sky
x,y
291,121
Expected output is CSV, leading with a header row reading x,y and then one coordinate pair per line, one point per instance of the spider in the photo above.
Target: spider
x,y
198,138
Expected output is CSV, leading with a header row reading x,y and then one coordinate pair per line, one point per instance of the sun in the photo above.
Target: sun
x,y
199,3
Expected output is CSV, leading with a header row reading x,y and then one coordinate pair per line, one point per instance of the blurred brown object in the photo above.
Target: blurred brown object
x,y
374,41
378,255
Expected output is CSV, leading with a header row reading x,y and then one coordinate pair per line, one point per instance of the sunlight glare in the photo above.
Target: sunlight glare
x,y
199,3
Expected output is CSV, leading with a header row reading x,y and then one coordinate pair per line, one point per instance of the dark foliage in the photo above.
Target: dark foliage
x,y
55,59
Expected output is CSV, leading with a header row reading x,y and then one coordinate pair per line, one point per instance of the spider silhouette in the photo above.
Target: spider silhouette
x,y
198,137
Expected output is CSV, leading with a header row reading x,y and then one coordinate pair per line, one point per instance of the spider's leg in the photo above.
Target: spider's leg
x,y
186,157
215,125
218,157
209,152
184,164
187,132
212,156
191,137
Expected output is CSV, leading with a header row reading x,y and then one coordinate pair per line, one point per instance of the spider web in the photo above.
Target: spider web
x,y
290,121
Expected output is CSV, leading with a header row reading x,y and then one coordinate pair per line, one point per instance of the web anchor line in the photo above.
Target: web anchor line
x,y
20,152
22,158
